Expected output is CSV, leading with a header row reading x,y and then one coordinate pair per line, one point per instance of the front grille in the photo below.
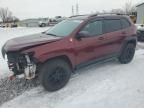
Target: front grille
x,y
16,62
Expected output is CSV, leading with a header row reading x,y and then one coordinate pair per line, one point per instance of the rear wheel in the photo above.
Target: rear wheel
x,y
127,54
55,74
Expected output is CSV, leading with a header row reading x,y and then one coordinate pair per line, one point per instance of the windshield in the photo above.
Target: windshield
x,y
64,28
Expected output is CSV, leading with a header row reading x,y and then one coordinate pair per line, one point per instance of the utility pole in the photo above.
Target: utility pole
x,y
77,9
72,10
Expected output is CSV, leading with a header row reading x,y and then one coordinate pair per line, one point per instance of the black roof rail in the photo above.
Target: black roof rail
x,y
97,14
93,15
77,16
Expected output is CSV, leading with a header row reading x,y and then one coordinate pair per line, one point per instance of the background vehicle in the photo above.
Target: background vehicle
x,y
51,21
140,32
3,25
44,23
14,25
74,43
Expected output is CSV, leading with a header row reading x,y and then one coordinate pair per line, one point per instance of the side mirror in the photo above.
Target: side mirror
x,y
82,34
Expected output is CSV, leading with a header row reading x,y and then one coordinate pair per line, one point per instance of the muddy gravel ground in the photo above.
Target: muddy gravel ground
x,y
10,89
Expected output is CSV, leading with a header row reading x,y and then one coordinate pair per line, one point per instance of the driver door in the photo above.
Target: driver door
x,y
90,46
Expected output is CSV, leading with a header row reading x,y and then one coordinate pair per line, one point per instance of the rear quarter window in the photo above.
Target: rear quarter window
x,y
125,23
111,25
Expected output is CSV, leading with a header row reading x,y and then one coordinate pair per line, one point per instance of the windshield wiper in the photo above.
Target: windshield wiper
x,y
48,33
51,34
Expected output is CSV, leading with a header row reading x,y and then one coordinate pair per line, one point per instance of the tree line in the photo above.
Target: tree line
x,y
128,9
6,16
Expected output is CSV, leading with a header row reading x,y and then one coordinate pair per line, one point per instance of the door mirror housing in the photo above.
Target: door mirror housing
x,y
82,34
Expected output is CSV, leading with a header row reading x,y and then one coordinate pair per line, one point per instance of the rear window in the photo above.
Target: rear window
x,y
125,23
112,25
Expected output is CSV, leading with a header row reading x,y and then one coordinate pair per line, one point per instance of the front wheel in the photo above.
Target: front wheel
x,y
55,74
127,54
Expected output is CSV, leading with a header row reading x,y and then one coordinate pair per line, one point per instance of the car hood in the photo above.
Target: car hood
x,y
19,43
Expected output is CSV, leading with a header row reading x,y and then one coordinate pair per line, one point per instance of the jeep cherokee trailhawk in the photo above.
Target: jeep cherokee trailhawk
x,y
75,42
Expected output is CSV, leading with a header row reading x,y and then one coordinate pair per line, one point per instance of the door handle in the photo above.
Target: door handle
x,y
124,33
101,38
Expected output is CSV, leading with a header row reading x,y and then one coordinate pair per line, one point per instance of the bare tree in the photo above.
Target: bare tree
x,y
120,11
15,19
129,8
5,14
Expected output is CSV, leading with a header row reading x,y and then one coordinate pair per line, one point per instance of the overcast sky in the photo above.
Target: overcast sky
x,y
44,8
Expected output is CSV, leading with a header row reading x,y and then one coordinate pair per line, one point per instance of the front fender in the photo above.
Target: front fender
x,y
44,57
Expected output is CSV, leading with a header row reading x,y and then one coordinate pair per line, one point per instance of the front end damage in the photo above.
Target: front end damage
x,y
21,64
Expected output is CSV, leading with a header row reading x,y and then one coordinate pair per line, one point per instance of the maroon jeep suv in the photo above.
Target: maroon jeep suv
x,y
75,42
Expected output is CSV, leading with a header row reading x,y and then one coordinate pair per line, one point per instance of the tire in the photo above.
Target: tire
x,y
127,54
55,74
43,25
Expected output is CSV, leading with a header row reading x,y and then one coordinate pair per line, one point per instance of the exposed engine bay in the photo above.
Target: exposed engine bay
x,y
21,64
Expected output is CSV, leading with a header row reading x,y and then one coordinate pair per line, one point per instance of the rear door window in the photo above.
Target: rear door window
x,y
125,23
111,25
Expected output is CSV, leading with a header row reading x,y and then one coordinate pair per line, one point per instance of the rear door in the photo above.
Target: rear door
x,y
113,36
127,28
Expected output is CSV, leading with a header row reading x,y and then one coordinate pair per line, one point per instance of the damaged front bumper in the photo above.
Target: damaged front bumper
x,y
21,64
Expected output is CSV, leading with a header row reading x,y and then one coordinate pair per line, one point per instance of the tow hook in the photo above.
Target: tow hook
x,y
12,77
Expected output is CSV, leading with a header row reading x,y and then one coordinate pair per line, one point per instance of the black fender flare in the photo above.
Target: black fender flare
x,y
132,39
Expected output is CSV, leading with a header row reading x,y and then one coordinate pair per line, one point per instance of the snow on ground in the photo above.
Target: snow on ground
x,y
106,85
8,33
140,45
